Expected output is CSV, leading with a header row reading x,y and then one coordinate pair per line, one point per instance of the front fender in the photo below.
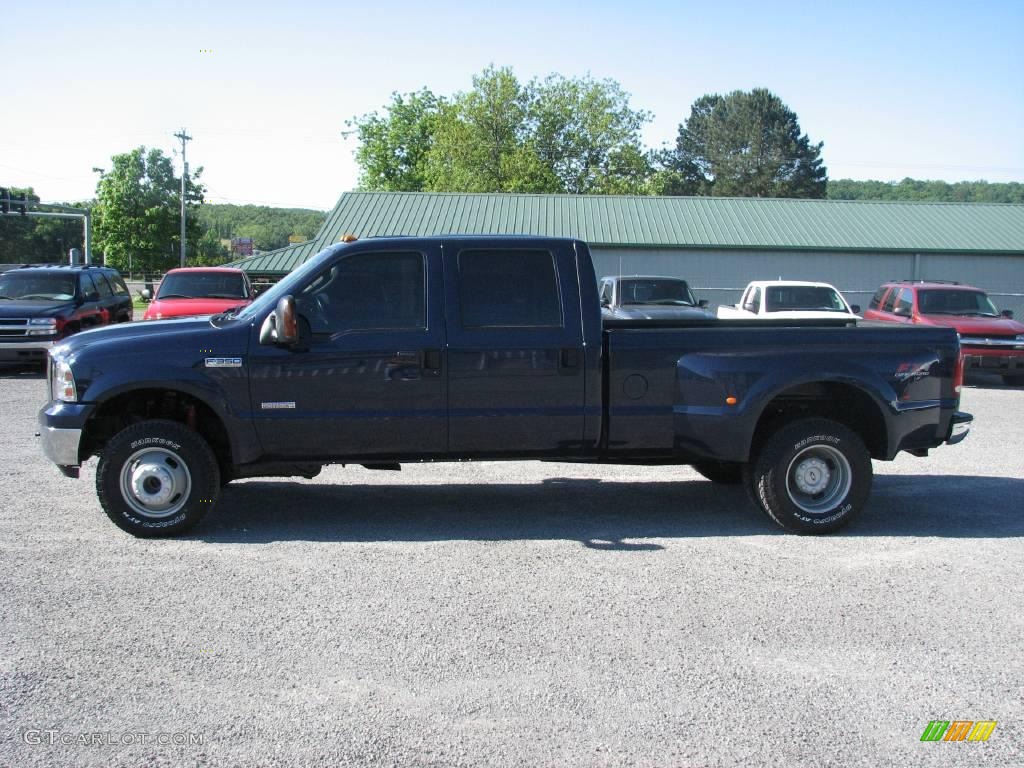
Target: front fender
x,y
224,390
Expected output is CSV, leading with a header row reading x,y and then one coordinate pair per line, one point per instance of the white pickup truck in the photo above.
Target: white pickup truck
x,y
788,300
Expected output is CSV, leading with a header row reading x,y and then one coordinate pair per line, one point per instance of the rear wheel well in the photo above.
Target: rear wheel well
x,y
143,404
844,403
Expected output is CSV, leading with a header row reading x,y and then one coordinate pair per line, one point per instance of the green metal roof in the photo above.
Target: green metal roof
x,y
669,222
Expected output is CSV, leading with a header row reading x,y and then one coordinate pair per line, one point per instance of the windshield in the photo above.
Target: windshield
x,y
202,285
655,292
268,299
40,286
946,302
787,298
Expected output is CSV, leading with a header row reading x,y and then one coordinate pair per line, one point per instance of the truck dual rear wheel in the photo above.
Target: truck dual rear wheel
x,y
157,478
812,476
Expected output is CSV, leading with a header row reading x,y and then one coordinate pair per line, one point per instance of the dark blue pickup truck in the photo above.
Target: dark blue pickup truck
x,y
394,350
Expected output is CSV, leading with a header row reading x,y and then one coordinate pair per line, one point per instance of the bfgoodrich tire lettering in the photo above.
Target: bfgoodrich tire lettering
x,y
812,476
157,478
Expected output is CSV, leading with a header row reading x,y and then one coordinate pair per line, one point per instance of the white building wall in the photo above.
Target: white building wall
x,y
720,276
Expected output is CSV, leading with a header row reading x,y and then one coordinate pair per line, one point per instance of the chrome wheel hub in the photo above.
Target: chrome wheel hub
x,y
155,482
818,479
812,476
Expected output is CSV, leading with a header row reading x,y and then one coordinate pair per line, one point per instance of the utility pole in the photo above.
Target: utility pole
x,y
184,179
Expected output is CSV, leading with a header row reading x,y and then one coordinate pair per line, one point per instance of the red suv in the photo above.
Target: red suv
x,y
990,341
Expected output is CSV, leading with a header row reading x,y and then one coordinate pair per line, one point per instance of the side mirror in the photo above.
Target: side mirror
x,y
146,294
1007,313
855,308
901,311
281,326
702,303
92,296
605,302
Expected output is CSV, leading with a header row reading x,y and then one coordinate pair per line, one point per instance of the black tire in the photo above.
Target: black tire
x,y
1013,380
805,456
174,483
721,472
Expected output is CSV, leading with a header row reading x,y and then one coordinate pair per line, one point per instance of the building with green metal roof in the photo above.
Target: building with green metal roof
x,y
718,244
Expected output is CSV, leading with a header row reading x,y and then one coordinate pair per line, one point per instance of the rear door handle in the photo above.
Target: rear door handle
x,y
432,361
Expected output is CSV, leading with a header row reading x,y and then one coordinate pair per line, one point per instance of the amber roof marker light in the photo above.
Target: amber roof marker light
x,y
730,400
348,237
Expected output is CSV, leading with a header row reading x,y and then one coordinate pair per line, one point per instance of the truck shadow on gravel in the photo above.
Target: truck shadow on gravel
x,y
600,515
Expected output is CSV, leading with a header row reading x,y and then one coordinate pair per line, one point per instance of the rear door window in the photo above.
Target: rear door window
x,y
118,284
88,286
890,300
904,302
102,286
509,289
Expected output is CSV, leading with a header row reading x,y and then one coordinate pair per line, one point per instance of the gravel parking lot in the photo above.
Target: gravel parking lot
x,y
515,614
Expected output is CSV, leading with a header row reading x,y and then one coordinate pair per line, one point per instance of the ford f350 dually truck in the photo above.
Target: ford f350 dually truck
x,y
392,350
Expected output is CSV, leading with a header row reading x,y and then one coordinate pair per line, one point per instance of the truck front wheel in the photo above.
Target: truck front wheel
x,y
812,476
157,478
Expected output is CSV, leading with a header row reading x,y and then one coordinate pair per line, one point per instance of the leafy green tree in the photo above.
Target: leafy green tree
x,y
556,135
210,252
589,136
483,140
392,153
137,224
746,143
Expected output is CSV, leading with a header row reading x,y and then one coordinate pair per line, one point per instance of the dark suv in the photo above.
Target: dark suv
x,y
39,306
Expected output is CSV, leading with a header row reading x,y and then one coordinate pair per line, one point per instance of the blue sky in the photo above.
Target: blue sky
x,y
894,89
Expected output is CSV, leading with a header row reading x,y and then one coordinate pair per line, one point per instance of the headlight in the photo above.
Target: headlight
x,y
41,326
62,382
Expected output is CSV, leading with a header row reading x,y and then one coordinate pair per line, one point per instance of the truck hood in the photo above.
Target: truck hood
x,y
976,326
133,338
19,308
164,308
657,312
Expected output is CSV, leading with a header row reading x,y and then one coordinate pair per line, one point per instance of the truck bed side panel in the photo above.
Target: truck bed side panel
x,y
688,374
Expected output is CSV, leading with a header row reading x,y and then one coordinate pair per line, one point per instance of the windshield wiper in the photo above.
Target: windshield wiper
x,y
174,296
222,296
684,302
6,297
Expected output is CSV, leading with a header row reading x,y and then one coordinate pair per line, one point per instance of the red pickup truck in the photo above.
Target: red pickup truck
x,y
191,291
990,340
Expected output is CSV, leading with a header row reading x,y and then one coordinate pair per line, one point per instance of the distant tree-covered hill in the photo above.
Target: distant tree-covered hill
x,y
933,191
268,227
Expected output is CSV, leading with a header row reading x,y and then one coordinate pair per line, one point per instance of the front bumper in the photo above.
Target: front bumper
x,y
61,446
61,426
959,427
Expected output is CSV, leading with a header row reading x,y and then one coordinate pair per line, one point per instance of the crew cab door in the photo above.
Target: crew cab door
x,y
515,353
369,382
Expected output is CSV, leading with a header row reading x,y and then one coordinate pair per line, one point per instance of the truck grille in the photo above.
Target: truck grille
x,y
993,341
13,326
